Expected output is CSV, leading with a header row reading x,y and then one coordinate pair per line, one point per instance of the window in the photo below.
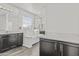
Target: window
x,y
27,21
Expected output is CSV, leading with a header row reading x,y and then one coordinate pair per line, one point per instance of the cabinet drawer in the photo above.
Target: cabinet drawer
x,y
19,38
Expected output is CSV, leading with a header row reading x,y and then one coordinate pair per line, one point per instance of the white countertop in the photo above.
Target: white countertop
x,y
73,38
1,33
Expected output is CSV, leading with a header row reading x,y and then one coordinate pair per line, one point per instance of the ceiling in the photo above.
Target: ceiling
x,y
32,7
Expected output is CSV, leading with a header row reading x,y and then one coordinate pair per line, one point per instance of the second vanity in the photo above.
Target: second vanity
x,y
59,45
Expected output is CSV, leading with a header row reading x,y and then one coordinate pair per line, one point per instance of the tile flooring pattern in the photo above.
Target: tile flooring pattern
x,y
23,51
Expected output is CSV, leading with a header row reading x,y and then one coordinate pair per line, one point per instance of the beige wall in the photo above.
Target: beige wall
x,y
62,18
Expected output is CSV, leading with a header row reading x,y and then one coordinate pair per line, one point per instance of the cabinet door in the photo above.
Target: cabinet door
x,y
13,40
20,38
0,43
70,49
5,43
48,48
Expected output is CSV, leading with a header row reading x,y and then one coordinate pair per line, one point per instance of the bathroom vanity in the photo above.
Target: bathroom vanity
x,y
9,41
59,45
58,48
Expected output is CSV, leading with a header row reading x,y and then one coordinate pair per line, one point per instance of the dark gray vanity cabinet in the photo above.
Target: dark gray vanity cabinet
x,y
58,48
48,47
70,49
9,41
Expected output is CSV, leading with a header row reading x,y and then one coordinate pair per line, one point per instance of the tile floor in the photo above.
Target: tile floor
x,y
23,51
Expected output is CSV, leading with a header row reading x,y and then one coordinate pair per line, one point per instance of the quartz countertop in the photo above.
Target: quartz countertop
x,y
2,33
72,38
